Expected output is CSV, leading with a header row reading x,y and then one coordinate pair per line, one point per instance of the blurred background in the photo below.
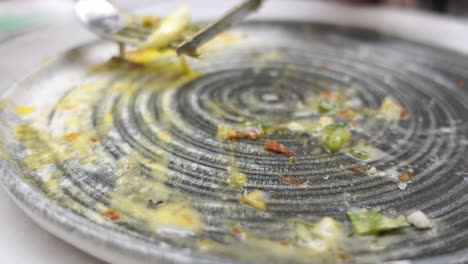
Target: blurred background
x,y
452,7
21,16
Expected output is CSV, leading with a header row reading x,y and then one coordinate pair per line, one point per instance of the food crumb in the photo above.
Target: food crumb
x,y
393,174
237,179
112,214
72,136
152,203
25,110
149,21
402,186
405,176
357,169
294,181
253,133
391,110
254,199
238,232
419,220
372,171
226,133
275,147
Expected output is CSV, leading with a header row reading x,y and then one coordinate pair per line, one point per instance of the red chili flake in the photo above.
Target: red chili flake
x,y
154,203
112,214
284,243
234,136
275,147
461,84
253,133
187,218
94,139
356,169
405,176
403,113
293,180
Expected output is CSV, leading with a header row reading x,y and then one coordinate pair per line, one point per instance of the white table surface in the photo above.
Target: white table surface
x,y
23,241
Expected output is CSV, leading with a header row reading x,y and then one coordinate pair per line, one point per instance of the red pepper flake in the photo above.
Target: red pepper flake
x,y
293,180
461,84
70,137
234,136
112,214
275,147
356,169
404,113
284,243
154,203
405,176
94,139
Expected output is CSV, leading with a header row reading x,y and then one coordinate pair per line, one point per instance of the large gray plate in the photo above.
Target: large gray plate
x,y
429,82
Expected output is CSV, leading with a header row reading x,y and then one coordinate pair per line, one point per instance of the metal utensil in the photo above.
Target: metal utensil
x,y
233,16
111,22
